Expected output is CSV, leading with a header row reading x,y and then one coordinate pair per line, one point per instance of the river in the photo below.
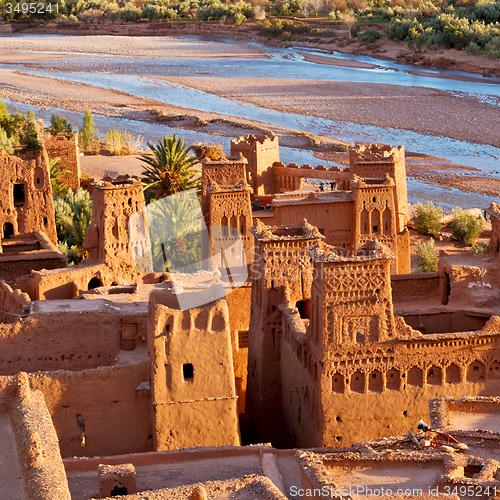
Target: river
x,y
126,74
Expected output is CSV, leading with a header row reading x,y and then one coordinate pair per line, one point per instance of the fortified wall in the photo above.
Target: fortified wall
x,y
346,367
25,253
225,203
378,160
369,200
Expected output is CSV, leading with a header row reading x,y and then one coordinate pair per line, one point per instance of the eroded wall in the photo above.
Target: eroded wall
x,y
281,263
65,147
13,301
26,195
37,443
28,252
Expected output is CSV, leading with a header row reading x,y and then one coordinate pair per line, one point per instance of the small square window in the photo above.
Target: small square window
x,y
188,372
243,339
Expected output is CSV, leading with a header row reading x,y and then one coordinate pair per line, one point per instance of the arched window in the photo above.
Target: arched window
x,y
94,283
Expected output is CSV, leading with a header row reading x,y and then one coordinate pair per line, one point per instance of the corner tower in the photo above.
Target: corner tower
x,y
261,152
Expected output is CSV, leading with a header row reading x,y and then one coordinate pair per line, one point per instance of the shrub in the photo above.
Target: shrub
x,y
492,49
399,29
130,13
428,219
239,18
91,16
279,26
369,36
59,124
121,143
155,10
466,226
89,136
473,48
478,248
71,253
57,170
427,256
290,8
215,10
241,7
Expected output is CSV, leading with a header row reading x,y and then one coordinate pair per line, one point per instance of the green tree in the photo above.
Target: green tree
x,y
170,169
466,226
89,135
29,136
10,123
428,219
5,141
73,214
59,124
427,256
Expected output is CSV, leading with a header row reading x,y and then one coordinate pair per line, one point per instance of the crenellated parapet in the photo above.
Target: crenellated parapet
x,y
261,152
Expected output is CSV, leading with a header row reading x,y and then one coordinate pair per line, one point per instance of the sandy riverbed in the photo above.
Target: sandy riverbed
x,y
412,108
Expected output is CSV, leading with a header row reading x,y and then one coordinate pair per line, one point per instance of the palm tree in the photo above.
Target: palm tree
x,y
175,225
170,169
57,170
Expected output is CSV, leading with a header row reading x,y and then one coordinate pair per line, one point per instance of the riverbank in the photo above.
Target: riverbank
x,y
427,111
250,32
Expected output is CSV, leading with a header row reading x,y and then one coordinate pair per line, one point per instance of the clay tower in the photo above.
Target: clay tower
x,y
281,266
261,152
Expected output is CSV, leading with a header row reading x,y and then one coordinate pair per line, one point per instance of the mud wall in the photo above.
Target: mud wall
x,y
37,443
385,390
116,411
66,283
289,177
26,194
193,388
299,385
11,301
415,287
334,220
71,340
239,302
261,152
